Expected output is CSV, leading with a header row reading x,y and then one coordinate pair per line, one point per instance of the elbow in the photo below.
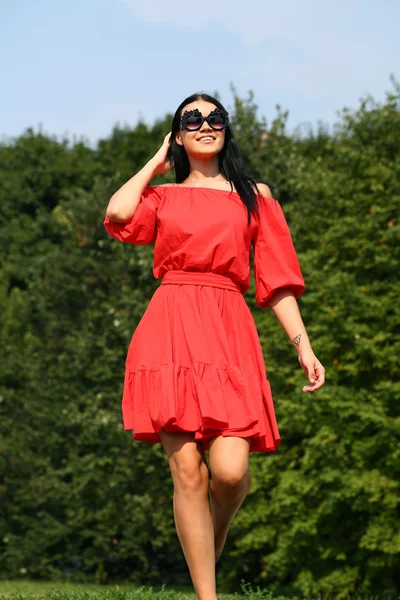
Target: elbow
x,y
294,290
116,215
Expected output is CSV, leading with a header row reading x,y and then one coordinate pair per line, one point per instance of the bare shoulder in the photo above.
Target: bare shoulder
x,y
264,190
166,185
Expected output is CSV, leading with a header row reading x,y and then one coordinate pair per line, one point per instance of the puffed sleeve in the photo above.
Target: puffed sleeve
x,y
275,260
141,228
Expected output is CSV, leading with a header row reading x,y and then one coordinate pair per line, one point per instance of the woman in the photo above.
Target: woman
x,y
195,376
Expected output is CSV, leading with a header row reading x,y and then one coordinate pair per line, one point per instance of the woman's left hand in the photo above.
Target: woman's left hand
x,y
313,369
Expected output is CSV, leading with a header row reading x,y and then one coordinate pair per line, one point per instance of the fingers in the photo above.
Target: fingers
x,y
316,378
313,387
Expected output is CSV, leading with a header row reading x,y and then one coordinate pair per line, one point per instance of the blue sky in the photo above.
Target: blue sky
x,y
77,68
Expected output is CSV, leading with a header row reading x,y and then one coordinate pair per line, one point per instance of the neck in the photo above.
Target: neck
x,y
204,168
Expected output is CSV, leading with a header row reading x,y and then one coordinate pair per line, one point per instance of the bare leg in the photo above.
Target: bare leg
x,y
230,483
192,514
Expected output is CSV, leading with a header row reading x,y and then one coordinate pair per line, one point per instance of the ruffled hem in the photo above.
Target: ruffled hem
x,y
201,398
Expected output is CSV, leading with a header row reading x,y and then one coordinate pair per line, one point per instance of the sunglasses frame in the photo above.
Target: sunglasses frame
x,y
197,113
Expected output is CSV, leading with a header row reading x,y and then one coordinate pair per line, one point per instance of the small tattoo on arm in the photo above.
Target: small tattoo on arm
x,y
296,340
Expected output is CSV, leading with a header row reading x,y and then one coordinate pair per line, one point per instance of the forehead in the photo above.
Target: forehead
x,y
202,105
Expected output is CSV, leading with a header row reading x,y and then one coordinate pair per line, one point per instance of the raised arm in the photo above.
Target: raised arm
x,y
124,202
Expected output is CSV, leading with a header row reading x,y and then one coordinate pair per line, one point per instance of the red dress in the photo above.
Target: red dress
x,y
195,361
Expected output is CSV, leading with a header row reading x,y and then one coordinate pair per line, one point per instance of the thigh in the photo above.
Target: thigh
x,y
229,457
185,454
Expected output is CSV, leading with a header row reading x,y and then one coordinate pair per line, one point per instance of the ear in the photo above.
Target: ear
x,y
178,139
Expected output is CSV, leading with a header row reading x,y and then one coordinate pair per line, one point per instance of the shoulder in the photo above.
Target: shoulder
x,y
264,190
269,207
161,185
157,191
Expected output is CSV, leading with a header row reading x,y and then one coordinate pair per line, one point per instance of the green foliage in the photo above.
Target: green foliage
x,y
329,521
79,499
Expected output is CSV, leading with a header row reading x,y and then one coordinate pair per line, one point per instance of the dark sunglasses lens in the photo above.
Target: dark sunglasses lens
x,y
217,121
193,122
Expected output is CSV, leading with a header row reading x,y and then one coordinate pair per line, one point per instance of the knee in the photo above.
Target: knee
x,y
232,477
190,478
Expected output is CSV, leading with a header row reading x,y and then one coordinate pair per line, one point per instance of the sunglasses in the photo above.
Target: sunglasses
x,y
192,120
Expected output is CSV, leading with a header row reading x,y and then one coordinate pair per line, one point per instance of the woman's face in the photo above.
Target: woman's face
x,y
205,142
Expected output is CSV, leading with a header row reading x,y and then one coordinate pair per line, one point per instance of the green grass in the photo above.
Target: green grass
x,y
30,589
34,590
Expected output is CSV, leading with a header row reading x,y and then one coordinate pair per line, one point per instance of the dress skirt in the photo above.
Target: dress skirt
x,y
195,364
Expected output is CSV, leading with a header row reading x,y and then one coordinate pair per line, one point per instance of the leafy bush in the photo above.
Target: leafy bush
x,y
79,499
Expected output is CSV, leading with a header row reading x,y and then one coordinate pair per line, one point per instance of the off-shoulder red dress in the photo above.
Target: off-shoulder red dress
x,y
195,361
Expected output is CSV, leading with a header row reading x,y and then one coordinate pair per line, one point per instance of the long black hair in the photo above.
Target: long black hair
x,y
231,163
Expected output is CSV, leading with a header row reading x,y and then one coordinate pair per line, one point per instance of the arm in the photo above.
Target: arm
x,y
286,310
274,253
284,306
123,204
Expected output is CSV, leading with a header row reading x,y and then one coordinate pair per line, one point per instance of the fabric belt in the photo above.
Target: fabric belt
x,y
200,278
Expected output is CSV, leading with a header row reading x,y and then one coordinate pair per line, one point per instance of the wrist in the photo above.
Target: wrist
x,y
305,350
302,344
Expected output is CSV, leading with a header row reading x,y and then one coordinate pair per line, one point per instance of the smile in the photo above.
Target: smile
x,y
206,139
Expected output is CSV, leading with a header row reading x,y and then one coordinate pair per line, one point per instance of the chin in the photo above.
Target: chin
x,y
204,152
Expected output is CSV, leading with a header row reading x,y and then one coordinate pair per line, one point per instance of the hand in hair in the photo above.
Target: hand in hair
x,y
161,163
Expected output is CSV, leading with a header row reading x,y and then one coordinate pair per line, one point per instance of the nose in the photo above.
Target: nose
x,y
205,127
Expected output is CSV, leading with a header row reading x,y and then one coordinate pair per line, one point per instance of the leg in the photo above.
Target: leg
x,y
230,483
192,509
